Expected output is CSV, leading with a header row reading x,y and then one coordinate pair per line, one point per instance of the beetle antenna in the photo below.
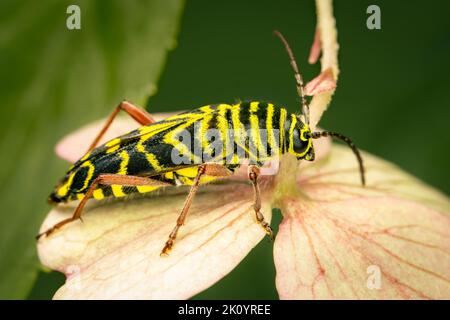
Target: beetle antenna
x,y
298,77
349,142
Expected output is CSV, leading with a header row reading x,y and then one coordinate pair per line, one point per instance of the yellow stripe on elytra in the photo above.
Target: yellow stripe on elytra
x,y
85,156
240,135
291,133
64,189
169,175
172,138
206,109
207,179
204,126
222,126
112,145
117,191
89,174
254,127
124,163
190,172
270,134
144,189
98,194
254,106
202,138
190,181
149,156
283,115
239,130
235,159
156,128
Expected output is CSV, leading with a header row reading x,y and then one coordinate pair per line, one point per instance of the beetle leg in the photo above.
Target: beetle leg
x,y
212,169
138,114
104,179
253,173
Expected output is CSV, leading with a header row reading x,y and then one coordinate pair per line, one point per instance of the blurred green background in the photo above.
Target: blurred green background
x,y
392,98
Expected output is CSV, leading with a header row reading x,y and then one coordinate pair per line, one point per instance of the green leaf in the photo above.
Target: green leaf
x,y
54,80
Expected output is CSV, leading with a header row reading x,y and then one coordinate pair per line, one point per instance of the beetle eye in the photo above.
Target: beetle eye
x,y
299,145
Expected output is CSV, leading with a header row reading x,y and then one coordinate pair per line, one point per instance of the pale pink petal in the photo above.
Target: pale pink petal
x,y
335,235
326,26
322,83
314,53
114,254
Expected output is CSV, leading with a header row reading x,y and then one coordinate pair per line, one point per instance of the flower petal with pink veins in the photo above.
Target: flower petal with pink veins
x,y
322,83
115,252
337,237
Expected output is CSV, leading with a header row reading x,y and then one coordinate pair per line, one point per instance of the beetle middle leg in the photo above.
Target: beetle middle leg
x,y
215,170
104,179
253,173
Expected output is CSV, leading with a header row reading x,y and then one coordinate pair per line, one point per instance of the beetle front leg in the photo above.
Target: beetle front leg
x,y
215,170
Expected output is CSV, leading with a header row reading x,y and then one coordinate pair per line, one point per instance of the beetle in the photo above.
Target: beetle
x,y
161,154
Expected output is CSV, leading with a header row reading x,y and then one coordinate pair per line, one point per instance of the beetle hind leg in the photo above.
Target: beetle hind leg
x,y
140,115
103,179
57,226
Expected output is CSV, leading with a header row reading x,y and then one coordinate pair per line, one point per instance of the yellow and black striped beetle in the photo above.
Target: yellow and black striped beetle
x,y
161,154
